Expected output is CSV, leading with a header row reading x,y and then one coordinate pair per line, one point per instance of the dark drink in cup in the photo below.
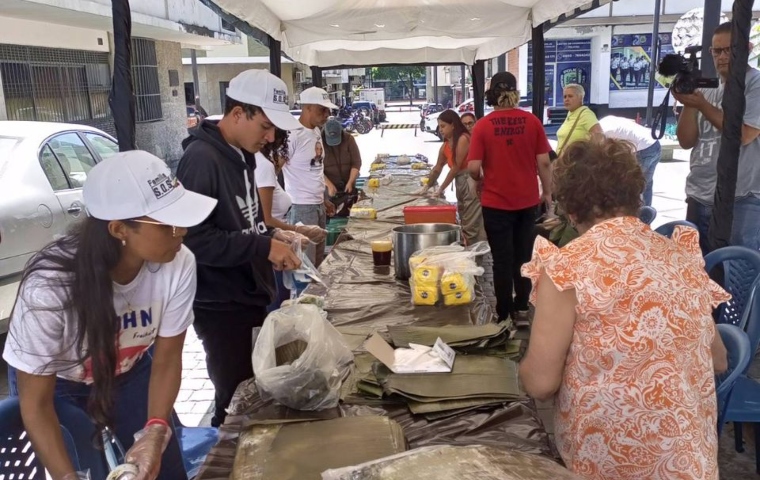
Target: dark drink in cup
x,y
381,252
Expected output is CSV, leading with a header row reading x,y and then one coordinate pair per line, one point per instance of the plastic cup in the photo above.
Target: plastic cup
x,y
382,250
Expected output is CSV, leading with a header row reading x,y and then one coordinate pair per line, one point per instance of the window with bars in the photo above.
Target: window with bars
x,y
55,85
145,80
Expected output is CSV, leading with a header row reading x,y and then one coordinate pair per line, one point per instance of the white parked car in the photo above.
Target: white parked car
x,y
42,169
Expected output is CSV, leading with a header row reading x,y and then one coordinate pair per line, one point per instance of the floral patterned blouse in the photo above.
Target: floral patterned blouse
x,y
637,399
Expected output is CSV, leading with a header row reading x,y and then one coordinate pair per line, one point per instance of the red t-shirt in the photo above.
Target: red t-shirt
x,y
507,142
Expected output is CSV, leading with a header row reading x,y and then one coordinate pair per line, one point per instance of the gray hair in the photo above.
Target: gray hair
x,y
578,89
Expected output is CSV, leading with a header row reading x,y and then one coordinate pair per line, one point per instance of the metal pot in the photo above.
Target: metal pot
x,y
408,239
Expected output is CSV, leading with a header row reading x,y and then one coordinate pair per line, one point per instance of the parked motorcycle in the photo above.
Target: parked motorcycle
x,y
358,122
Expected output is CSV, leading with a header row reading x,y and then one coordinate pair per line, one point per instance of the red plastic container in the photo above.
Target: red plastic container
x,y
431,214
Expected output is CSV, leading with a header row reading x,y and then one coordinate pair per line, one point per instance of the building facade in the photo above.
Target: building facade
x,y
609,52
56,58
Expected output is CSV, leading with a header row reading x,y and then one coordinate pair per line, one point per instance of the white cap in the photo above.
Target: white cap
x,y
138,184
317,96
266,91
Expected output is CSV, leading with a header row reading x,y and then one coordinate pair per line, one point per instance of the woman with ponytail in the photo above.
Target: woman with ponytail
x,y
100,319
507,149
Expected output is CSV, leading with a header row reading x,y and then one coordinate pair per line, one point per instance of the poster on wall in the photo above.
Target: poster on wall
x,y
567,61
631,60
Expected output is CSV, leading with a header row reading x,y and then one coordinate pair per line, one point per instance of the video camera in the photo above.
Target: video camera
x,y
687,75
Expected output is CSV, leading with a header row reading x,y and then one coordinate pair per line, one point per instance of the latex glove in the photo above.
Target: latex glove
x,y
422,191
146,452
315,233
290,237
329,208
282,256
76,476
438,193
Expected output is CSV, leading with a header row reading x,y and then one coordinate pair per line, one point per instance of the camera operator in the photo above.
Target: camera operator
x,y
700,128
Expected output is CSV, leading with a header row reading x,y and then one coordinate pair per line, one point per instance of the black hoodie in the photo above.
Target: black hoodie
x,y
232,245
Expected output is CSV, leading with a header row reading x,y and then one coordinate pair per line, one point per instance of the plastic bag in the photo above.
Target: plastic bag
x,y
445,272
297,280
300,359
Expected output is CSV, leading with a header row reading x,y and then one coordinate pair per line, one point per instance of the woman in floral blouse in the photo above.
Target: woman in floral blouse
x,y
623,331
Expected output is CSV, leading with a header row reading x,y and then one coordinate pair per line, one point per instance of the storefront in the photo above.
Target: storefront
x,y
567,61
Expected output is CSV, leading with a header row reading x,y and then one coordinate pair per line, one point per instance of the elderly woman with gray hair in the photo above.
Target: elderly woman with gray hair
x,y
580,123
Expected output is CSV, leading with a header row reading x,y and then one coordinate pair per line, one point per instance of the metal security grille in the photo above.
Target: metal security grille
x,y
145,79
56,85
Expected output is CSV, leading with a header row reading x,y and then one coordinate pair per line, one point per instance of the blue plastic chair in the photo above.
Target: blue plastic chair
x,y
743,401
17,457
647,214
668,228
739,356
741,268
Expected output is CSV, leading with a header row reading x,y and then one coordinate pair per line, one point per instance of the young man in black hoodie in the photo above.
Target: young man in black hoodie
x,y
234,249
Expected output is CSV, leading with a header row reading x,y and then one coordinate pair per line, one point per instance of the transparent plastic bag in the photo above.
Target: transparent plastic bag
x,y
297,280
300,359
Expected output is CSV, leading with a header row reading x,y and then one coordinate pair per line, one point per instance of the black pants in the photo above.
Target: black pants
x,y
510,236
227,341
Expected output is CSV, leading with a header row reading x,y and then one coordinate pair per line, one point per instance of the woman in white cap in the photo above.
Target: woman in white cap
x,y
100,320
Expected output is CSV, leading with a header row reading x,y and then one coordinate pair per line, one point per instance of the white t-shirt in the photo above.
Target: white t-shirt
x,y
626,129
304,172
42,338
267,177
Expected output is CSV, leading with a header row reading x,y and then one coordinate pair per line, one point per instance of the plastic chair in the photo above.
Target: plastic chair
x,y
17,460
739,356
743,404
741,268
667,229
647,214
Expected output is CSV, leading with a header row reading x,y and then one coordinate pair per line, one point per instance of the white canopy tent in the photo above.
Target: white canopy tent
x,y
329,33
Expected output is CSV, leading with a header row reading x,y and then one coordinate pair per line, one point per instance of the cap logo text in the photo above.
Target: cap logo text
x,y
162,185
280,96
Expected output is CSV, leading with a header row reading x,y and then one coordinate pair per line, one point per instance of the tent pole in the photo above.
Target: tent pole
x,y
711,22
655,60
122,99
539,72
316,77
435,84
478,86
734,104
275,57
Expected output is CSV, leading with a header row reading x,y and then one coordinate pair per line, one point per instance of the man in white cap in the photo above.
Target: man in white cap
x,y
304,172
234,248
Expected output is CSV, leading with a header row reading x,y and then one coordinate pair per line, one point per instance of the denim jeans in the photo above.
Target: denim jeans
x,y
745,230
510,236
130,414
648,159
310,215
746,227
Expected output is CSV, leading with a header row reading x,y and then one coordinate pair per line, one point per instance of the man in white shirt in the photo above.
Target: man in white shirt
x,y
648,150
304,172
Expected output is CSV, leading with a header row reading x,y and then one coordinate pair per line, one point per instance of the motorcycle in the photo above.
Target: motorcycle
x,y
357,122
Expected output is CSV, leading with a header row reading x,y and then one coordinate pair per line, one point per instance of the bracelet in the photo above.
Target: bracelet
x,y
157,421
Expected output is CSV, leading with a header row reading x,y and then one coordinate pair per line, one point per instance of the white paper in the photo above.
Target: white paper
x,y
420,359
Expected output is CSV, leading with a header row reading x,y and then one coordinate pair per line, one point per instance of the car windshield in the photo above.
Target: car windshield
x,y
7,144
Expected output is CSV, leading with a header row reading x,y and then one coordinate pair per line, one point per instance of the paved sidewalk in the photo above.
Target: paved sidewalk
x,y
196,394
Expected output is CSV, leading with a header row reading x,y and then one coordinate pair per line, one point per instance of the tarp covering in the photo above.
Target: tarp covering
x,y
373,32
